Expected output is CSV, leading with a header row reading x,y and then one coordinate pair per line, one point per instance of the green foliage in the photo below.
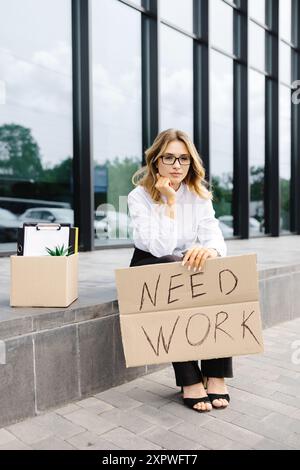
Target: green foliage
x,y
119,175
222,192
257,183
119,178
285,198
62,172
23,153
59,251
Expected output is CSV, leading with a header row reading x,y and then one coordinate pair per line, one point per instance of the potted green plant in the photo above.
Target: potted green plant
x,y
59,251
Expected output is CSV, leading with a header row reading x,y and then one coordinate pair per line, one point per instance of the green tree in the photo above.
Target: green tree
x,y
22,153
285,196
60,173
222,192
120,173
257,182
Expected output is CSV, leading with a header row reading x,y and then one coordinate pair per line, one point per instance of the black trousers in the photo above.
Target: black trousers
x,y
186,373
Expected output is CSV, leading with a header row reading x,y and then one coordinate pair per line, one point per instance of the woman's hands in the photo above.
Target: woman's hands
x,y
196,257
163,185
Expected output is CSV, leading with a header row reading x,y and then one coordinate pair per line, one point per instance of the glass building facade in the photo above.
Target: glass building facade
x,y
86,86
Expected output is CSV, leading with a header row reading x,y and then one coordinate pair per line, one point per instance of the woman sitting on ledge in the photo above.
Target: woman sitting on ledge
x,y
173,180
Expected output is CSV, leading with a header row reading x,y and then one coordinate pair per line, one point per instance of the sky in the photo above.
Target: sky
x,y
36,74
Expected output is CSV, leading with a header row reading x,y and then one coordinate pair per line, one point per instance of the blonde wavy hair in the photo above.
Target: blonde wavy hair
x,y
195,179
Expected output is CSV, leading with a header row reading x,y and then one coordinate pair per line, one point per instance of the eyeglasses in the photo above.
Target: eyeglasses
x,y
169,159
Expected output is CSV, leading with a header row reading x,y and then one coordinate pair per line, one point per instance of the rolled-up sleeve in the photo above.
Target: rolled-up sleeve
x,y
209,233
152,229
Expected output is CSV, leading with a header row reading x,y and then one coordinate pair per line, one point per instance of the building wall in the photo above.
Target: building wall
x,y
86,85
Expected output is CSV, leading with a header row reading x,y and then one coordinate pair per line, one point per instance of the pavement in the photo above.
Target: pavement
x,y
148,413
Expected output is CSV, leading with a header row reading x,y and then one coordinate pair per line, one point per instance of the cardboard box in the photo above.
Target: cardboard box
x,y
171,314
43,281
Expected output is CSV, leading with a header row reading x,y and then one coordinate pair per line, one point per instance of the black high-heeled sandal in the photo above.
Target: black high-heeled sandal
x,y
216,396
190,402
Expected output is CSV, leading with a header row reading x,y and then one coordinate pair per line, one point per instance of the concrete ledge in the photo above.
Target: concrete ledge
x,y
55,356
50,362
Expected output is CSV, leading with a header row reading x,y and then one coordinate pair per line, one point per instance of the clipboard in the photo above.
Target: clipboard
x,y
33,239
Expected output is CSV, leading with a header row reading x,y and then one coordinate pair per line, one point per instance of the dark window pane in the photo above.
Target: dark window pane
x,y
285,63
117,126
257,10
285,19
256,152
285,157
176,98
221,139
36,113
221,21
257,46
178,12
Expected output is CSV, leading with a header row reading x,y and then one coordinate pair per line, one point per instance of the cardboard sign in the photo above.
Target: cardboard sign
x,y
171,314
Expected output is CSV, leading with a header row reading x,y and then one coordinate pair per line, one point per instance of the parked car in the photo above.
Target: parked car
x,y
47,215
9,224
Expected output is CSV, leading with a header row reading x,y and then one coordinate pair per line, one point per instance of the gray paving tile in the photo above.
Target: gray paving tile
x,y
15,445
89,440
296,415
52,443
255,372
267,403
292,381
280,421
95,405
201,435
102,444
90,421
268,368
186,414
171,440
140,382
237,446
268,444
128,440
146,396
67,409
58,425
228,414
293,391
118,399
282,436
156,416
127,420
159,389
6,436
29,431
249,408
233,432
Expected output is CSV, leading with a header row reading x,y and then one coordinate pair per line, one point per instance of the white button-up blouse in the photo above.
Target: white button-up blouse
x,y
194,224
